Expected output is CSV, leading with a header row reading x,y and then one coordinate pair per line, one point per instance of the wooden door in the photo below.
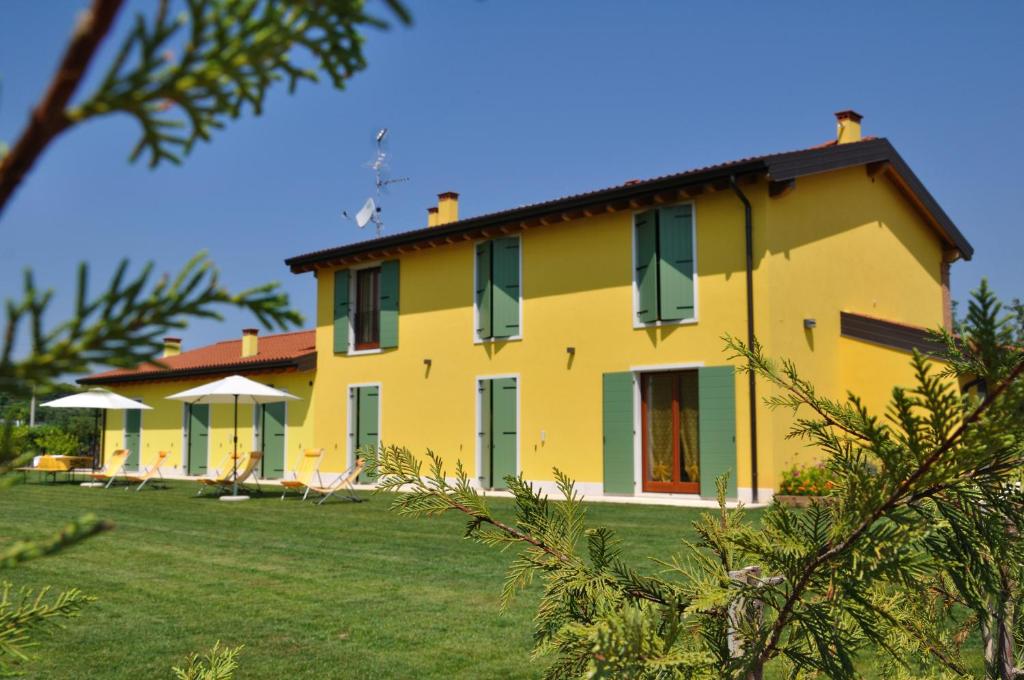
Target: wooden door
x,y
670,437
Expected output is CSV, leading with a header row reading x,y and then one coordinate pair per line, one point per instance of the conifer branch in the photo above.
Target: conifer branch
x,y
895,497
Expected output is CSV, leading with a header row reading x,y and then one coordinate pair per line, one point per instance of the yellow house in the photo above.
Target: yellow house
x,y
585,333
199,436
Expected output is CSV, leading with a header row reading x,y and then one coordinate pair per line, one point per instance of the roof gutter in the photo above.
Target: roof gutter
x,y
748,234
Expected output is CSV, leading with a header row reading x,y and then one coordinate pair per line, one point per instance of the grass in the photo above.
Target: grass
x,y
342,590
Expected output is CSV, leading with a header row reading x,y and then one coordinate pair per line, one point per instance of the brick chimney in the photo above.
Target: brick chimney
x,y
172,347
848,126
250,342
432,217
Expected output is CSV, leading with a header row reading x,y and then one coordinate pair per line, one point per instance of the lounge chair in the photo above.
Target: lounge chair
x,y
307,472
342,484
218,474
153,471
112,467
224,481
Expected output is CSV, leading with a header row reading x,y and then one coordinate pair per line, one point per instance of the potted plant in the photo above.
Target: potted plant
x,y
802,485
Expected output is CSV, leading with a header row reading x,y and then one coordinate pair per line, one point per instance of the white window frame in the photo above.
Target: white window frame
x,y
352,303
477,340
636,289
479,458
350,436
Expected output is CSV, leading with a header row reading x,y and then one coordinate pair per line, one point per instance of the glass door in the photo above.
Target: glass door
x,y
670,436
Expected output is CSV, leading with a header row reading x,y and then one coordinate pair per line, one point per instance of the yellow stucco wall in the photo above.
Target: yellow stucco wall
x,y
841,241
162,426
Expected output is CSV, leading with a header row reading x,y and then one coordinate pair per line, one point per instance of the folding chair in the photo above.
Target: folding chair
x,y
306,472
342,484
112,467
152,472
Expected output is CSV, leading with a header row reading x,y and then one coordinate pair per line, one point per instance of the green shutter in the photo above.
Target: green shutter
x,y
367,403
717,423
503,430
198,438
486,428
388,292
675,262
646,266
132,437
484,290
341,311
272,430
505,298
617,427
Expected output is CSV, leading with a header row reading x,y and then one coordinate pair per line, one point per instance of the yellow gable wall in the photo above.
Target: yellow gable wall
x,y
577,288
842,241
162,426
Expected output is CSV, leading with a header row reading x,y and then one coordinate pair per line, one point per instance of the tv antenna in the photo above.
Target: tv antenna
x,y
371,210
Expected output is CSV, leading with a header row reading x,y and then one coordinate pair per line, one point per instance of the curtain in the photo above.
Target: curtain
x,y
689,435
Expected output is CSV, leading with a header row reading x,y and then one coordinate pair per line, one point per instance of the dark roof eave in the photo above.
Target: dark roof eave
x,y
306,362
780,167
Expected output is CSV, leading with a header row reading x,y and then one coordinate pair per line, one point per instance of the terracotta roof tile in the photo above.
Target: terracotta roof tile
x,y
272,349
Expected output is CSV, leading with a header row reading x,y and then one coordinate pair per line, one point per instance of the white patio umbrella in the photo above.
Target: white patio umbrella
x,y
101,401
232,390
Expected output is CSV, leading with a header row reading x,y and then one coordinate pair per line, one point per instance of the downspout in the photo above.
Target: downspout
x,y
748,232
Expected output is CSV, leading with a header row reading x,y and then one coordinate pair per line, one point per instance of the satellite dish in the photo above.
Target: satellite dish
x,y
366,213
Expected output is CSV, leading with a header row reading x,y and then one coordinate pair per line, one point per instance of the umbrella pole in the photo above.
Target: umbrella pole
x,y
234,477
103,433
95,438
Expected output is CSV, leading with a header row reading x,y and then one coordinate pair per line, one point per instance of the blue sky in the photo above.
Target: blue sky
x,y
511,103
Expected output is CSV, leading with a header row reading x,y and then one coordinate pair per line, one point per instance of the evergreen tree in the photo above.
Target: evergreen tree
x,y
921,526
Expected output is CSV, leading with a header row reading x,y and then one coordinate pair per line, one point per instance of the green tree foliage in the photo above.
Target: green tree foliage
x,y
78,422
123,325
921,526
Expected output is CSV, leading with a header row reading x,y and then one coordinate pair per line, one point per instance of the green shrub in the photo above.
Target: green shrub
x,y
44,439
815,480
57,442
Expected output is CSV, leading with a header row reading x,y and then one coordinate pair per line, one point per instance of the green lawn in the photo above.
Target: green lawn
x,y
342,590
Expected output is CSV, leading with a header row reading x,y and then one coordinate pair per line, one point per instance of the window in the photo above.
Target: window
x,y
664,265
498,291
367,311
366,308
670,432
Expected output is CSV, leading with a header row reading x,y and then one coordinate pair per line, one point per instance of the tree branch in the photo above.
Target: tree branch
x,y
826,554
48,119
